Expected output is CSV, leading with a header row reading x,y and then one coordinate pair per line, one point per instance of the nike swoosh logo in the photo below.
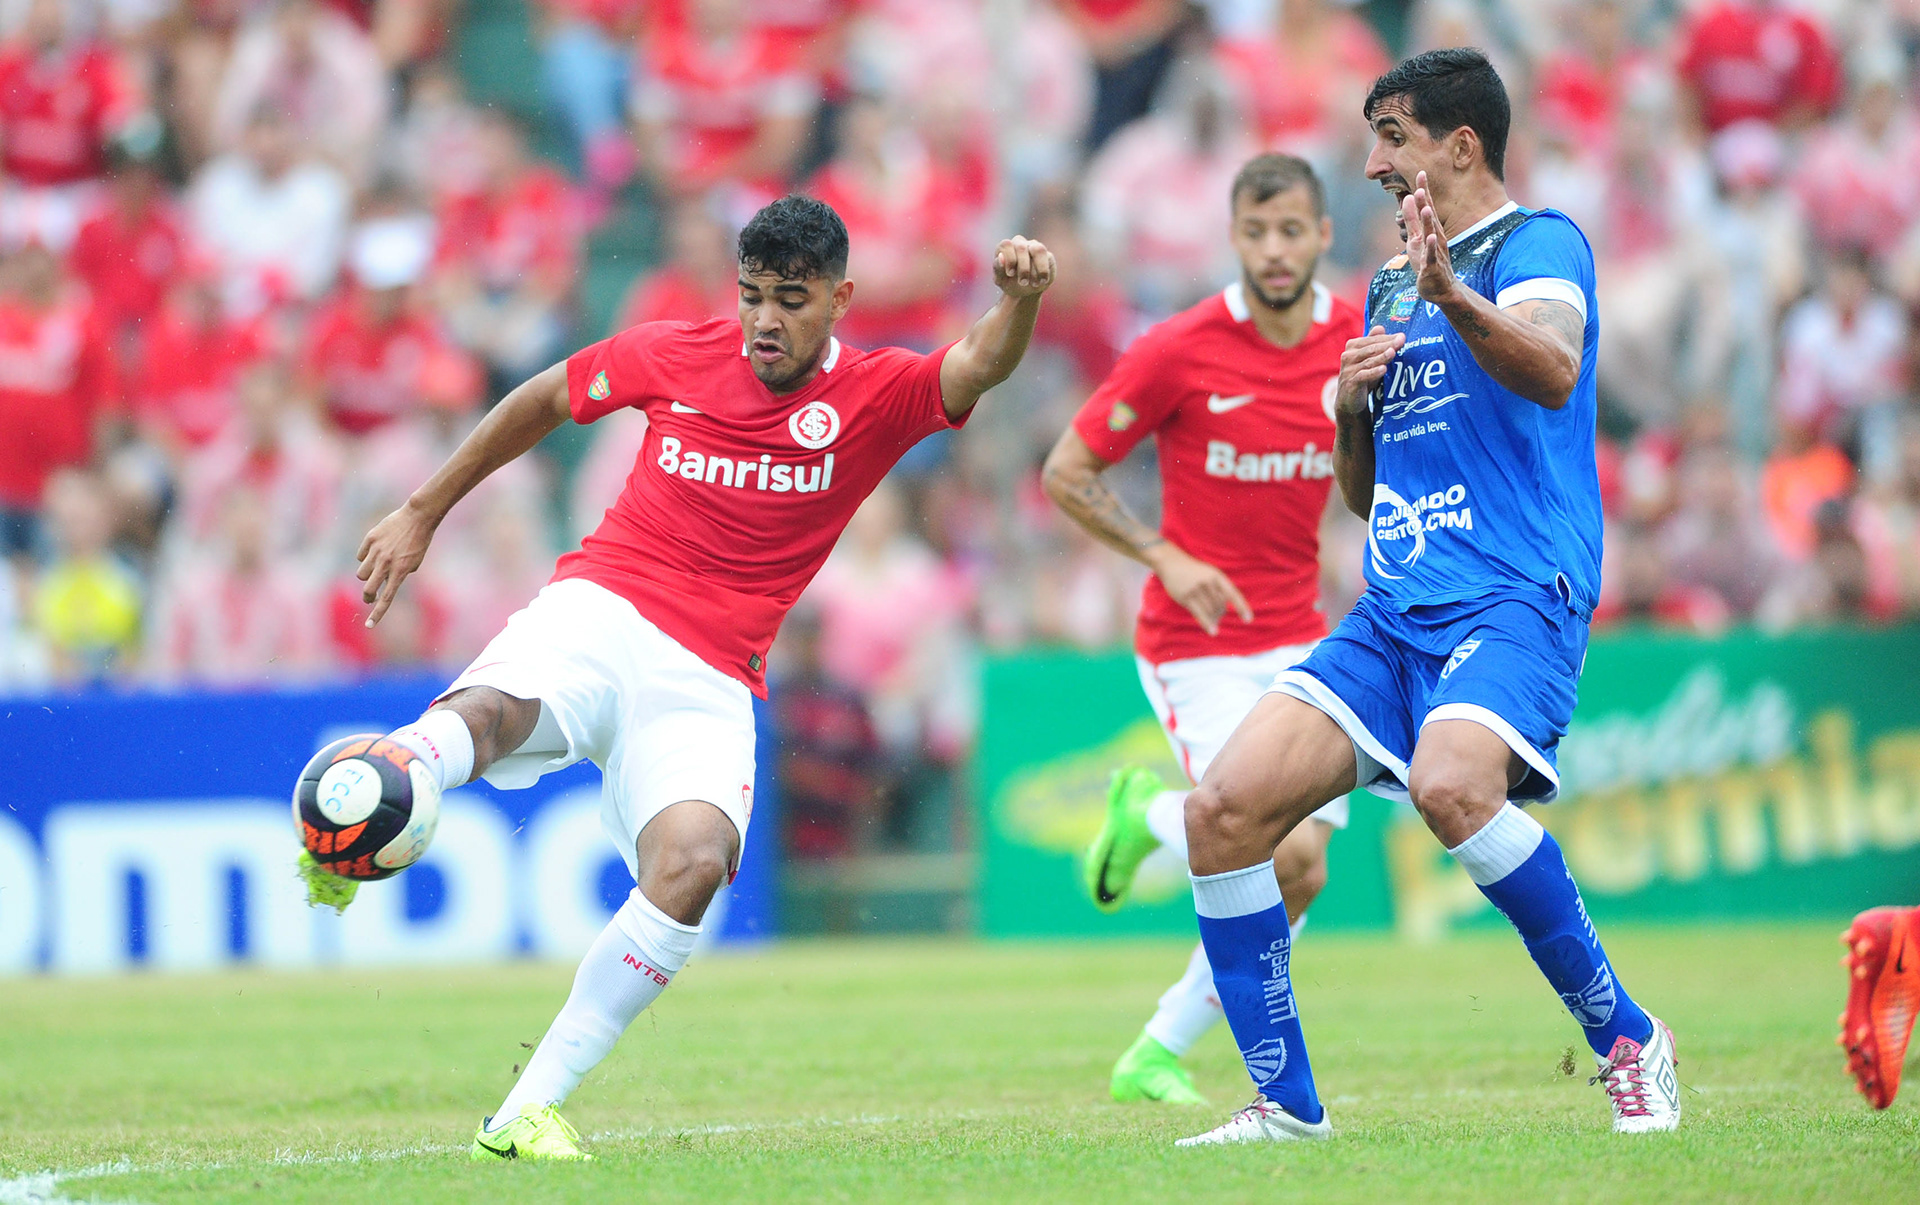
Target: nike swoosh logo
x,y
1900,960
1220,405
1100,881
683,408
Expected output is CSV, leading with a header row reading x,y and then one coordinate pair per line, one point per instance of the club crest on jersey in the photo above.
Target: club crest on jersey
x,y
1460,655
1593,1004
600,390
1402,308
1120,417
814,425
1266,1061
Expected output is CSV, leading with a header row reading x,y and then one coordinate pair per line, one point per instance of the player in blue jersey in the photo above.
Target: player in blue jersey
x,y
1465,429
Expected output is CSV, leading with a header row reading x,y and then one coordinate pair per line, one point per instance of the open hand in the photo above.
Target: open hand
x,y
389,553
1427,249
1201,588
1022,267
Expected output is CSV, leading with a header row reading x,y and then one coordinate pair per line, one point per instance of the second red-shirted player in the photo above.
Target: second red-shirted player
x,y
1238,392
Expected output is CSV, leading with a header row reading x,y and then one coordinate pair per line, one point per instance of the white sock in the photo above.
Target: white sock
x,y
1500,846
1234,893
630,964
1189,1008
1167,820
443,741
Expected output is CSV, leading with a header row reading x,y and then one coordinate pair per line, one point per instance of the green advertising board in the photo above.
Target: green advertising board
x,y
1746,776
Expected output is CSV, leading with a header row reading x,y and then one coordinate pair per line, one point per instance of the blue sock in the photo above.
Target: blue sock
x,y
1518,866
1243,924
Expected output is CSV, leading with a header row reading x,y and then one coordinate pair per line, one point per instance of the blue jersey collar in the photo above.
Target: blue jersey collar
x,y
1485,222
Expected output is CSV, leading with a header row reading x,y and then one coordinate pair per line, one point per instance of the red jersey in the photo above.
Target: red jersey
x,y
1756,61
128,265
188,380
369,375
1246,459
527,232
56,112
673,294
56,374
714,98
739,492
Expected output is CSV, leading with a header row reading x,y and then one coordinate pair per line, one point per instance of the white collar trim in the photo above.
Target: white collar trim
x,y
1235,295
1483,223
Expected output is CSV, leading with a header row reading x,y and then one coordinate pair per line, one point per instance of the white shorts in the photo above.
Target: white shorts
x,y
1199,701
662,725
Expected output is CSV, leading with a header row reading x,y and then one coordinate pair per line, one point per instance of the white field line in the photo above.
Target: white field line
x,y
39,1188
42,1188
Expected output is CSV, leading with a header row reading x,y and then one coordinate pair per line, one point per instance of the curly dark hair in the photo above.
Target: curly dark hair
x,y
797,238
1450,88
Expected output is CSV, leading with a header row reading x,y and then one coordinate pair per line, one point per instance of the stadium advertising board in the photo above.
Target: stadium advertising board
x,y
155,831
1746,776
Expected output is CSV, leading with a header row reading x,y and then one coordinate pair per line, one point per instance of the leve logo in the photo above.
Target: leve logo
x,y
814,425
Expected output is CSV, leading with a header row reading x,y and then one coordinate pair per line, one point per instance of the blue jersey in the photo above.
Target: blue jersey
x,y
1479,493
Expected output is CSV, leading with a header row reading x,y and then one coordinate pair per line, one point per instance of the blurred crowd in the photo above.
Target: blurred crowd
x,y
263,263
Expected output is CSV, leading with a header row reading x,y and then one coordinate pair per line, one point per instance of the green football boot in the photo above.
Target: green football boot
x,y
324,888
1124,840
1149,1071
538,1133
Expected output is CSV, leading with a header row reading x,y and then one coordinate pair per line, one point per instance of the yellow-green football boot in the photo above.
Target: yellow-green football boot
x,y
538,1133
1149,1071
1124,840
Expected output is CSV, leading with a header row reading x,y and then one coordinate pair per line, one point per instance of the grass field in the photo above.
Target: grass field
x,y
953,1071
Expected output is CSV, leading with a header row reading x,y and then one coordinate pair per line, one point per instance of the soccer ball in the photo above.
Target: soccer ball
x,y
365,807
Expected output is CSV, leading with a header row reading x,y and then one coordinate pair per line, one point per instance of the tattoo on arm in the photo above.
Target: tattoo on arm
x,y
1102,513
1469,323
1563,320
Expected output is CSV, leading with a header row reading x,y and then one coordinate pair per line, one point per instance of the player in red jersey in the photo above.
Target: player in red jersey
x,y
642,654
1238,391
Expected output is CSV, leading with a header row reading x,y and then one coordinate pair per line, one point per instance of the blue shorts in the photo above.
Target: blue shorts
x,y
1510,665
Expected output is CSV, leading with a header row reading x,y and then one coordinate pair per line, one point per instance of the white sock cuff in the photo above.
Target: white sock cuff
x,y
442,738
1500,846
1236,893
1167,820
664,939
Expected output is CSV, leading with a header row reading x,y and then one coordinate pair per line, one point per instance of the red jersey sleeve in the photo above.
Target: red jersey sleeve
x,y
908,384
617,372
1130,404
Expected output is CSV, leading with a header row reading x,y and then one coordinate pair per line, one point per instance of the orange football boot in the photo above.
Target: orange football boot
x,y
1883,996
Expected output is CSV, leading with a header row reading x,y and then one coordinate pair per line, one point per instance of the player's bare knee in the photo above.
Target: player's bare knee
x,y
1448,797
681,877
1222,826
